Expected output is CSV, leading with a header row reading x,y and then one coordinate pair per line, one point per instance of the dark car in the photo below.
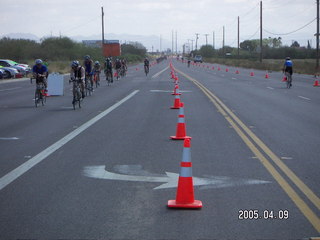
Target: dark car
x,y
197,58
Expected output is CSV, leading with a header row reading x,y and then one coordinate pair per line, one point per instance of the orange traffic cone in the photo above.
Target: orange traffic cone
x,y
212,68
267,75
185,191
227,70
176,104
316,83
176,90
219,68
284,79
181,126
251,74
237,71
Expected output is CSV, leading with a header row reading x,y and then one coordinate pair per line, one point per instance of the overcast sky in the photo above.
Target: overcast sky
x,y
160,17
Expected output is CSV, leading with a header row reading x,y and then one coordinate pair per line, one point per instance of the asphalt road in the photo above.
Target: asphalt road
x,y
95,172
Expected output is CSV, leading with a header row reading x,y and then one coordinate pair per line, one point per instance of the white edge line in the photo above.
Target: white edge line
x,y
16,173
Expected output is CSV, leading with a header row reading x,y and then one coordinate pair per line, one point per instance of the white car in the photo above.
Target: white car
x,y
9,72
24,69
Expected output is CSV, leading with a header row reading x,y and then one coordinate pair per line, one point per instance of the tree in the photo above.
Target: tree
x,y
249,45
295,44
135,49
309,45
207,51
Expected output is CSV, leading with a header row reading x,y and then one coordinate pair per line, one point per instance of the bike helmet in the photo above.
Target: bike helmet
x,y
38,61
287,58
97,63
87,57
75,64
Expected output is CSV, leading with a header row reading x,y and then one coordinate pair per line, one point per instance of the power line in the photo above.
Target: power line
x,y
82,25
291,31
242,16
252,35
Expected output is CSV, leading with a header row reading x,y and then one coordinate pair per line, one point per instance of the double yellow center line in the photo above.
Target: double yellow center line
x,y
253,142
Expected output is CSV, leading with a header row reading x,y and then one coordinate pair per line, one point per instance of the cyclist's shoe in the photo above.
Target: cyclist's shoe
x,y
83,95
73,102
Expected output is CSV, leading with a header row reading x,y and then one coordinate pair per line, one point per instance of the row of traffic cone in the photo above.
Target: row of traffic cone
x,y
267,76
185,190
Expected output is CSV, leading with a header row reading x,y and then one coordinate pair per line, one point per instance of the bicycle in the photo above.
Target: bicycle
x,y
88,85
39,95
109,77
123,71
118,72
96,79
77,96
146,69
288,80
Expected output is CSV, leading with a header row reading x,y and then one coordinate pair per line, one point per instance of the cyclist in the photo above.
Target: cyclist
x,y
97,70
146,63
189,61
40,73
124,66
118,66
108,68
288,68
88,65
78,73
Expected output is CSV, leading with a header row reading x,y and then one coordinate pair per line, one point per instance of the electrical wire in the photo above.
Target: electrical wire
x,y
288,33
81,25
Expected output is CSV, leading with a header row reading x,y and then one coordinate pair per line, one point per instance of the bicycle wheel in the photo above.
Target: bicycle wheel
x,y
95,80
288,81
74,103
79,98
43,99
36,97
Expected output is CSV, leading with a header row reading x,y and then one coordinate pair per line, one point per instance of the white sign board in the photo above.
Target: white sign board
x,y
55,84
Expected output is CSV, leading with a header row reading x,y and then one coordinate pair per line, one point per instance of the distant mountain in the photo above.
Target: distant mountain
x,y
148,41
22,36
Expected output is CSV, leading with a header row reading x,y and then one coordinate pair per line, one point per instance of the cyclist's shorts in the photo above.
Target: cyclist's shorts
x,y
289,70
40,80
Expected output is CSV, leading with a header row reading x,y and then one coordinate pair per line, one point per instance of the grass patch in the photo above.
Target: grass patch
x,y
303,66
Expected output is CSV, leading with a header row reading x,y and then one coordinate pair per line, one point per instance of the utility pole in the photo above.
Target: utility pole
x,y
317,63
260,31
223,35
172,50
206,38
197,37
160,43
176,42
238,36
102,14
213,43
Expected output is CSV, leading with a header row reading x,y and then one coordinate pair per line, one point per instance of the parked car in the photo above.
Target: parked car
x,y
24,69
197,58
9,72
1,73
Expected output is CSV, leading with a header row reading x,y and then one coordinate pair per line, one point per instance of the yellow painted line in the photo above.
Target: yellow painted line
x,y
232,119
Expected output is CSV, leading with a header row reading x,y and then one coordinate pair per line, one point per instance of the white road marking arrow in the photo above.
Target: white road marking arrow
x,y
170,179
